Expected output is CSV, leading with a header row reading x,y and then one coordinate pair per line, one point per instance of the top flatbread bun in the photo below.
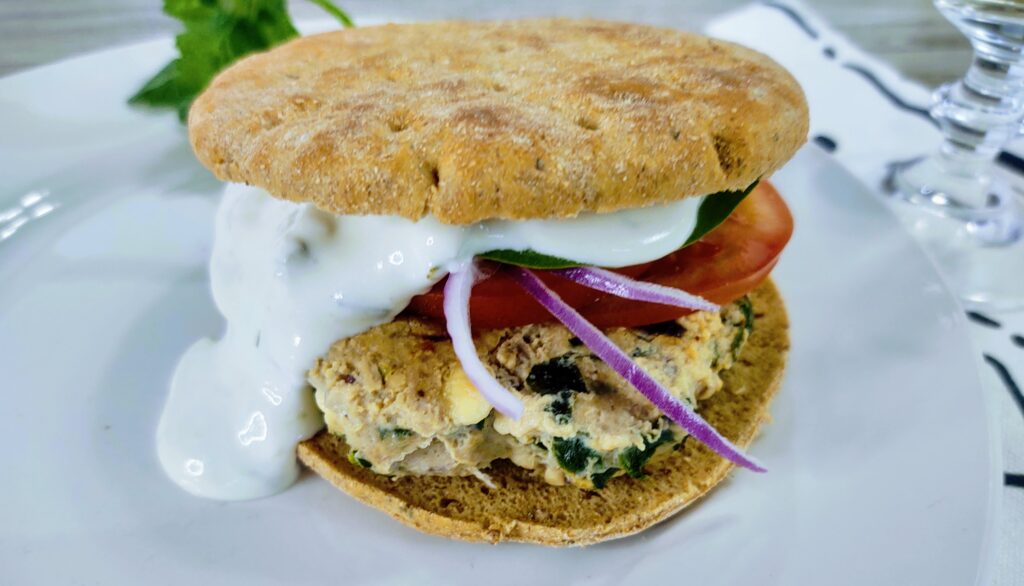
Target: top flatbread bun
x,y
518,119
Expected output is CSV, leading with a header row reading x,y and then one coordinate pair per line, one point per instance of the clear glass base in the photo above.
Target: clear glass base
x,y
979,253
985,203
953,201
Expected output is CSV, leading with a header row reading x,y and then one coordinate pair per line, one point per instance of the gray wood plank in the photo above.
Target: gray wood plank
x,y
908,33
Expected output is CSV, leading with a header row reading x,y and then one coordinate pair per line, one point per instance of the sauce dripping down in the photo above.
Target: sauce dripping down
x,y
290,280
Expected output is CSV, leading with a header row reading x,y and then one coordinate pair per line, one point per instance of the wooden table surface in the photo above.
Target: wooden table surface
x,y
908,33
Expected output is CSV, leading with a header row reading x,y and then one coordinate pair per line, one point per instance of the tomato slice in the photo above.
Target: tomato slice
x,y
725,264
498,302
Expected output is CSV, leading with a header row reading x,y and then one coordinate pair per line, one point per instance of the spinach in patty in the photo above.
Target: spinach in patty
x,y
561,407
555,375
559,377
573,454
600,479
394,432
633,459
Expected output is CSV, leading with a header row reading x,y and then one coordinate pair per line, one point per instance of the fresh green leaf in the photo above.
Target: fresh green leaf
x,y
528,259
216,34
715,209
712,212
334,11
162,88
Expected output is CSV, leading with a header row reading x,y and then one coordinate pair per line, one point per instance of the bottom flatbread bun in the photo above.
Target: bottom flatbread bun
x,y
524,508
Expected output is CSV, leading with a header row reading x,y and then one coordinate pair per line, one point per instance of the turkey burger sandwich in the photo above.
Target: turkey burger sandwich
x,y
478,274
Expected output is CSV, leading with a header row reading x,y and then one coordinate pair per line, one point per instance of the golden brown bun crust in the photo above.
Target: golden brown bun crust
x,y
514,120
524,508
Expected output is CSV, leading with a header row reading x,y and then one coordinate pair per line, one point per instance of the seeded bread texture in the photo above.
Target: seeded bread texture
x,y
524,508
471,121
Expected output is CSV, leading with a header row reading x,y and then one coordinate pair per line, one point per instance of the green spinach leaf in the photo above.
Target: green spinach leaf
x,y
712,212
715,209
528,259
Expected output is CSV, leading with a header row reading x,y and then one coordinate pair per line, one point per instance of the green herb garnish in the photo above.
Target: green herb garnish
x,y
712,212
216,34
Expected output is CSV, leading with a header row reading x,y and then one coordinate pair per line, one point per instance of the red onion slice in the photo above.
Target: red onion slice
x,y
623,286
456,313
605,349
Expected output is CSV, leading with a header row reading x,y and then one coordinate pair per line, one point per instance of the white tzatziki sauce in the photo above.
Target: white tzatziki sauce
x,y
291,280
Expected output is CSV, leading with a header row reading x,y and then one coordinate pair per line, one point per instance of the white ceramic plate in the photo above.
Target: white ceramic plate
x,y
883,468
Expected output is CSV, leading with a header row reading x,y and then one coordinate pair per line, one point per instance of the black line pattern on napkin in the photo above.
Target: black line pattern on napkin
x,y
830,52
1008,159
826,142
982,319
1007,378
1018,340
1011,478
1004,158
888,93
795,17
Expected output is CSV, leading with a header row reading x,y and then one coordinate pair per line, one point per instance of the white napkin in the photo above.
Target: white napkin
x,y
868,116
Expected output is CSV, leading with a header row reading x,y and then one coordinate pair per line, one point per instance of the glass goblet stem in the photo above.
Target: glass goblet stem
x,y
978,115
